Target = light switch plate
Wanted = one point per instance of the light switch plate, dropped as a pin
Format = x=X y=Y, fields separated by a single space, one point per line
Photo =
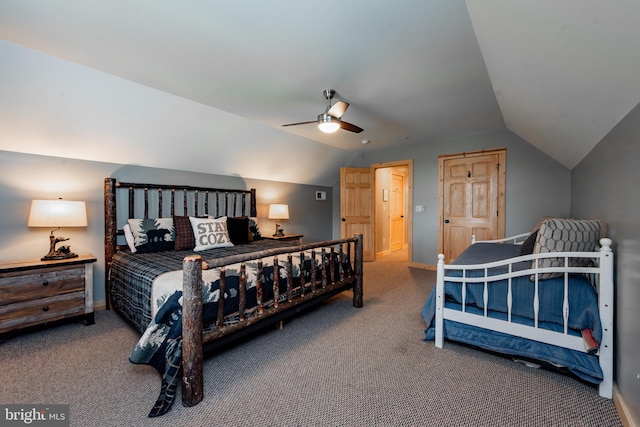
x=321 y=195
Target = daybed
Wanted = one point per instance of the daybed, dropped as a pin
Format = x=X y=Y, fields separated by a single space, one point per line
x=547 y=300
x=201 y=276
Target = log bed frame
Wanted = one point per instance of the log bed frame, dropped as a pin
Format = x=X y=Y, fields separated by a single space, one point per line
x=196 y=340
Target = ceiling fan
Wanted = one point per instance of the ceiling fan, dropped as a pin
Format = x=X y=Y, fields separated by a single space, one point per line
x=329 y=121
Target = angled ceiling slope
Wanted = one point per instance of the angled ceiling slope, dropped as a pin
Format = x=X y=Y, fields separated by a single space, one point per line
x=564 y=72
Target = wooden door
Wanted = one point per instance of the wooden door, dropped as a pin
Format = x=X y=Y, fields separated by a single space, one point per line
x=356 y=207
x=396 y=202
x=472 y=200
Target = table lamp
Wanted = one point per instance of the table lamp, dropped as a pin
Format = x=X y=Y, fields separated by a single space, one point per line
x=57 y=213
x=278 y=211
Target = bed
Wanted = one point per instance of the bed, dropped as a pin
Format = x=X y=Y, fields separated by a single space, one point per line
x=544 y=298
x=187 y=268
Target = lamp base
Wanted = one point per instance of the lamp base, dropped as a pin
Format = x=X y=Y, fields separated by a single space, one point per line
x=279 y=231
x=58 y=255
x=63 y=252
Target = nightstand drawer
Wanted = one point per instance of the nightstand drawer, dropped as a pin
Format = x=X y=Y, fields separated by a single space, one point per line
x=16 y=287
x=37 y=311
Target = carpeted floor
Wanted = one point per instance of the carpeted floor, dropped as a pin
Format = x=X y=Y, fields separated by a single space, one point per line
x=333 y=366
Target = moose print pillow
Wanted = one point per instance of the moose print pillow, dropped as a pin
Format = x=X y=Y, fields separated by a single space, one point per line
x=210 y=233
x=152 y=234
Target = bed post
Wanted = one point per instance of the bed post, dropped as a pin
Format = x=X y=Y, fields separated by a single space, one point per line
x=358 y=258
x=110 y=228
x=192 y=352
x=605 y=303
x=253 y=206
x=440 y=301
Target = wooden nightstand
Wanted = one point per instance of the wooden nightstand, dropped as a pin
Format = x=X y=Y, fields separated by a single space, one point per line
x=35 y=292
x=296 y=238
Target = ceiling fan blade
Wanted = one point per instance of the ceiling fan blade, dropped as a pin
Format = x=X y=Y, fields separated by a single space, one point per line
x=301 y=123
x=338 y=109
x=350 y=127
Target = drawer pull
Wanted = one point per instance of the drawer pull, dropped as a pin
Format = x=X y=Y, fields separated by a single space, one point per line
x=45 y=283
x=45 y=308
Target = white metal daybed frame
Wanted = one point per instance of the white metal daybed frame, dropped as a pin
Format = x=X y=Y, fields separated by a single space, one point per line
x=602 y=273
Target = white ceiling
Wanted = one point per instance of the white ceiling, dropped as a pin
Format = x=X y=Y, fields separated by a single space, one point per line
x=558 y=73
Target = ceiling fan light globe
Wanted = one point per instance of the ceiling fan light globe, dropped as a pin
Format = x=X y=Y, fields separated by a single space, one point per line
x=328 y=127
x=327 y=123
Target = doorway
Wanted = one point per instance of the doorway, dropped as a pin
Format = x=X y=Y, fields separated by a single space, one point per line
x=367 y=198
x=393 y=201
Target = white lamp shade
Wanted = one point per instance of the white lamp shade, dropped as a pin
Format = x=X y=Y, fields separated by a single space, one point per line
x=57 y=213
x=278 y=211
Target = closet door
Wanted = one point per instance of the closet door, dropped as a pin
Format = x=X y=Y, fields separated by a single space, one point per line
x=472 y=200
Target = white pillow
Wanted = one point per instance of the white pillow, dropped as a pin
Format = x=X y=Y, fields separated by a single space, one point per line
x=210 y=233
x=128 y=236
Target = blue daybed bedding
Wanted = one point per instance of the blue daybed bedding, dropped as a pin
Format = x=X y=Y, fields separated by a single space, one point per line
x=583 y=311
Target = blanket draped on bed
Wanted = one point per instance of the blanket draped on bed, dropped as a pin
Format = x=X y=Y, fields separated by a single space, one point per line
x=163 y=351
x=161 y=344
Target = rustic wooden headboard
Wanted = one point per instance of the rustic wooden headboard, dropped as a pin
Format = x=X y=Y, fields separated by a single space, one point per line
x=124 y=200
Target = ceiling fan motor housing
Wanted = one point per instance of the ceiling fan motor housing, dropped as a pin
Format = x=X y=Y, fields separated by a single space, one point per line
x=329 y=93
x=326 y=118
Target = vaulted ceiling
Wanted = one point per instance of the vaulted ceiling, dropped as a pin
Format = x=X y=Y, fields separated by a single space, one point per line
x=558 y=73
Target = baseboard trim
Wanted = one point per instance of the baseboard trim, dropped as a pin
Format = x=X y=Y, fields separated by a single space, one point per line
x=423 y=266
x=623 y=409
x=383 y=253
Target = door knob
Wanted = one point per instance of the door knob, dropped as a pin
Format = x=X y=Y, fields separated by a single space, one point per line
x=446 y=221
x=344 y=219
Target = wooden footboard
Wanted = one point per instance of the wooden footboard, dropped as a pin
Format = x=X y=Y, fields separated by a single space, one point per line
x=334 y=279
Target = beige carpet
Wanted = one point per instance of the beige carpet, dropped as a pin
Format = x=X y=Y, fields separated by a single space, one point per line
x=334 y=366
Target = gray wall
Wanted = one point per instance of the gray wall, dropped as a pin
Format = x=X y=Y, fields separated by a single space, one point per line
x=536 y=184
x=24 y=177
x=606 y=185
